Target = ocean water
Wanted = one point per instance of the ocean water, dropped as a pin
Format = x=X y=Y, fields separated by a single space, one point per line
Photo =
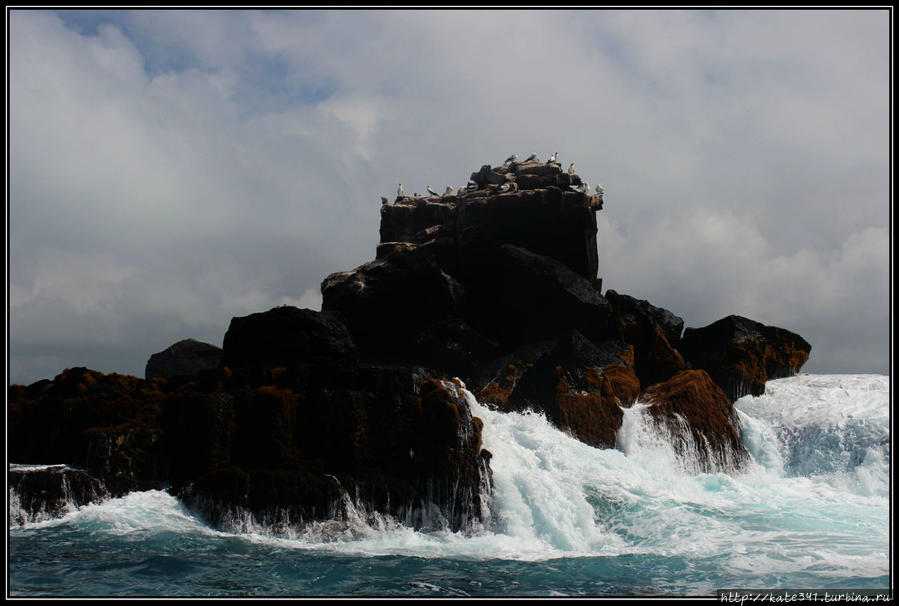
x=811 y=511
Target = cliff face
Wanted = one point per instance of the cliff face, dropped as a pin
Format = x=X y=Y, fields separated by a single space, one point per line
x=306 y=413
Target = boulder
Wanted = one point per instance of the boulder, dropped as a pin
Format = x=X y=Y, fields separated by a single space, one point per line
x=580 y=387
x=108 y=424
x=388 y=302
x=652 y=331
x=520 y=296
x=186 y=357
x=393 y=440
x=287 y=335
x=699 y=421
x=44 y=492
x=548 y=222
x=741 y=354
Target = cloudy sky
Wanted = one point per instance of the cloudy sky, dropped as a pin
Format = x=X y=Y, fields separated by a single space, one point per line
x=169 y=170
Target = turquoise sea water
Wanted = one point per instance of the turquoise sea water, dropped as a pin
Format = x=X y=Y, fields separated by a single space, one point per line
x=812 y=511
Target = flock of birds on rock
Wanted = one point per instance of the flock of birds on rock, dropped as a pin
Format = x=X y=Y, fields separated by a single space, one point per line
x=509 y=185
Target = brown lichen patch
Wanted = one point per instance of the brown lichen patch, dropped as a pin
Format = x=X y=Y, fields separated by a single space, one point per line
x=590 y=418
x=693 y=396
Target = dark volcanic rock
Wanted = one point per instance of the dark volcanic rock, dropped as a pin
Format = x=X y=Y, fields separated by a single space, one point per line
x=546 y=221
x=108 y=423
x=287 y=335
x=580 y=387
x=394 y=441
x=48 y=491
x=652 y=331
x=699 y=420
x=262 y=441
x=635 y=310
x=186 y=357
x=741 y=354
x=388 y=302
x=523 y=296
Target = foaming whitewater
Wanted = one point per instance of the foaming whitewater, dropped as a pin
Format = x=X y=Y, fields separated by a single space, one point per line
x=810 y=510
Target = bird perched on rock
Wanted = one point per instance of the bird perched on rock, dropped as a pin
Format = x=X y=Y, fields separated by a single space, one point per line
x=532 y=158
x=461 y=191
x=504 y=187
x=582 y=188
x=553 y=159
x=510 y=159
x=448 y=192
x=599 y=189
x=399 y=192
x=432 y=192
x=384 y=200
x=472 y=186
x=571 y=168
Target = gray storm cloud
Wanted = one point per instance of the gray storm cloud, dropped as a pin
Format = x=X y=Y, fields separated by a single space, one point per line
x=169 y=170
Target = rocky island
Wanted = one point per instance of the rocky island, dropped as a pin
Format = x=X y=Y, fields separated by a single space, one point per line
x=301 y=413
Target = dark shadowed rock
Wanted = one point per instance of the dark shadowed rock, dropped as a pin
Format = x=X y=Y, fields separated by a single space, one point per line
x=522 y=296
x=43 y=492
x=741 y=354
x=388 y=302
x=83 y=418
x=544 y=221
x=186 y=357
x=652 y=331
x=392 y=441
x=635 y=310
x=287 y=335
x=580 y=387
x=699 y=421
x=547 y=221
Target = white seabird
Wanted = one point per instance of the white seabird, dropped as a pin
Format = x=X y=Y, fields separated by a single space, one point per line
x=571 y=168
x=599 y=189
x=432 y=192
x=384 y=200
x=510 y=159
x=532 y=158
x=399 y=192
x=471 y=186
x=504 y=187
x=448 y=192
x=553 y=158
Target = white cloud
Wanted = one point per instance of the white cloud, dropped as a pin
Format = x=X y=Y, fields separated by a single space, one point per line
x=217 y=163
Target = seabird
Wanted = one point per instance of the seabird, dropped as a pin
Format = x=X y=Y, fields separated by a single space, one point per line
x=384 y=200
x=432 y=192
x=553 y=158
x=399 y=192
x=504 y=187
x=571 y=168
x=461 y=191
x=471 y=186
x=510 y=159
x=532 y=158
x=448 y=192
x=599 y=189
